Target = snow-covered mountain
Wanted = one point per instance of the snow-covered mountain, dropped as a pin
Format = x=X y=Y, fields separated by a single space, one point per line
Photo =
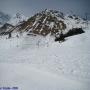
x=17 y=19
x=51 y=22
x=14 y=21
x=6 y=28
x=74 y=21
x=46 y=22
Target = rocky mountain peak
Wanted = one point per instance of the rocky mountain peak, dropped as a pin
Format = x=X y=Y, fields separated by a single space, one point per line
x=45 y=22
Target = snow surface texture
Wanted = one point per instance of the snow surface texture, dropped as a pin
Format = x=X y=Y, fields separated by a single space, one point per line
x=39 y=63
x=25 y=77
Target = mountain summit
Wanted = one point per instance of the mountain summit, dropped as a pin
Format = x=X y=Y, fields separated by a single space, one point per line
x=44 y=22
x=51 y=21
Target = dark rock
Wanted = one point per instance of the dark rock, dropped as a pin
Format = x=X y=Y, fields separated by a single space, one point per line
x=74 y=31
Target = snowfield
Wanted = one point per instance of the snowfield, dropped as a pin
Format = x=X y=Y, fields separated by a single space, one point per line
x=35 y=63
x=25 y=77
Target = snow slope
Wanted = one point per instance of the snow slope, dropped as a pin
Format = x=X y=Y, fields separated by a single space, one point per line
x=35 y=63
x=17 y=19
x=27 y=78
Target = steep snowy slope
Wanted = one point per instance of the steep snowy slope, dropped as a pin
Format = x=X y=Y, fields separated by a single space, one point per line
x=17 y=19
x=73 y=21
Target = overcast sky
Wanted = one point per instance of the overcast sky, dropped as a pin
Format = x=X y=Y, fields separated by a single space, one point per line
x=29 y=7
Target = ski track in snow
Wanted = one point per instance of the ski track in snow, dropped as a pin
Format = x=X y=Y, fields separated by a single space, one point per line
x=70 y=58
